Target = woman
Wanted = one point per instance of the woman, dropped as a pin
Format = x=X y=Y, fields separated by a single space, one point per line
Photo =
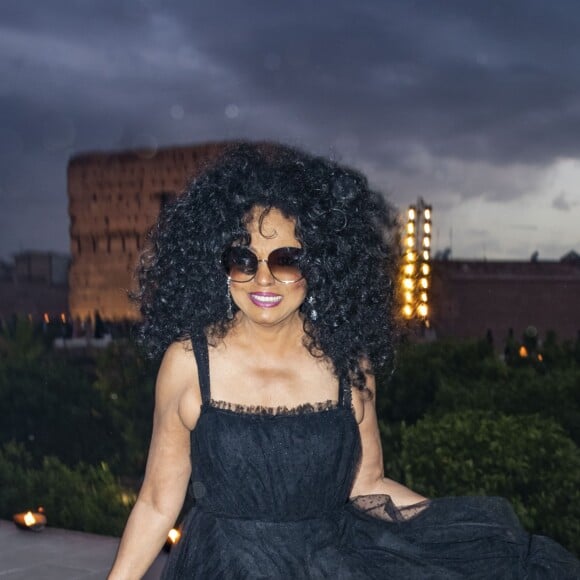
x=276 y=267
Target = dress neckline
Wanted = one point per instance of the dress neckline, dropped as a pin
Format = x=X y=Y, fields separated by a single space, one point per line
x=280 y=411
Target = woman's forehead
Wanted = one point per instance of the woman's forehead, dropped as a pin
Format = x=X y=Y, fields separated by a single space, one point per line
x=270 y=224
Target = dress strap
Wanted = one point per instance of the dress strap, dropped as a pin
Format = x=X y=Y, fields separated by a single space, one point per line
x=344 y=394
x=200 y=350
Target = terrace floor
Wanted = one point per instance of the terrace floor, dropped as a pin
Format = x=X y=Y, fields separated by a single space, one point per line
x=56 y=554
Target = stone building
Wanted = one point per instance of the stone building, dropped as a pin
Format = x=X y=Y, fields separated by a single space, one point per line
x=470 y=298
x=114 y=198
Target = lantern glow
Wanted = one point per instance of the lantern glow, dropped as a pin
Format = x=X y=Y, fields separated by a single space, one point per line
x=33 y=521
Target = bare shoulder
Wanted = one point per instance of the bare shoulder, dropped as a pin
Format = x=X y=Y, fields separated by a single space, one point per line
x=177 y=384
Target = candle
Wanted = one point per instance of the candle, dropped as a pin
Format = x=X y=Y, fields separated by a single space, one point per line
x=34 y=521
x=172 y=538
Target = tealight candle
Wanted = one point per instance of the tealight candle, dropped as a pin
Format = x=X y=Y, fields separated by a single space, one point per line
x=34 y=521
x=172 y=538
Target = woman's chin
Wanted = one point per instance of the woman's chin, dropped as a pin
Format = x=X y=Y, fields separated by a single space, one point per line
x=272 y=316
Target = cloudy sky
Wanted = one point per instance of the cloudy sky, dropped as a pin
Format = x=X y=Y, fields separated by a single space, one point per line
x=473 y=105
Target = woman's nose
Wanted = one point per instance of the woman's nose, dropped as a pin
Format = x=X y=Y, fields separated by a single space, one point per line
x=263 y=275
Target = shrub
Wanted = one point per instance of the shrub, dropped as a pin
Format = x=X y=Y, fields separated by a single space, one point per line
x=52 y=408
x=83 y=498
x=409 y=391
x=527 y=459
x=126 y=381
x=523 y=391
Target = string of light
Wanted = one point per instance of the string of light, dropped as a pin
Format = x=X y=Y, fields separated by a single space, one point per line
x=416 y=262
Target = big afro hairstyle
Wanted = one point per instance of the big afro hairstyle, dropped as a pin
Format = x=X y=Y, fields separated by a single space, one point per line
x=345 y=229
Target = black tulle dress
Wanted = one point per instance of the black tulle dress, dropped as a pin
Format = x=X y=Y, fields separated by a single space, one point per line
x=272 y=501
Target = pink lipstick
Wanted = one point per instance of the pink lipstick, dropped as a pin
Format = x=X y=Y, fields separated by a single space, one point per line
x=265 y=299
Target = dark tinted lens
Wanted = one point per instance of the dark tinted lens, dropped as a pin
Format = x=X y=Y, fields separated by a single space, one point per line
x=285 y=264
x=240 y=264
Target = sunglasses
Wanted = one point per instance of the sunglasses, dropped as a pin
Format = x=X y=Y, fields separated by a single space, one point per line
x=241 y=264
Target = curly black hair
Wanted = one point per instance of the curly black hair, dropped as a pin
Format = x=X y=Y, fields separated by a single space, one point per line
x=344 y=228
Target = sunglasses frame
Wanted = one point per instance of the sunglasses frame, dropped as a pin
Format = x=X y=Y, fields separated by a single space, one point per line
x=224 y=260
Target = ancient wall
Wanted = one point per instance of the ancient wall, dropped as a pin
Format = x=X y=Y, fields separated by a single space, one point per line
x=114 y=198
x=470 y=297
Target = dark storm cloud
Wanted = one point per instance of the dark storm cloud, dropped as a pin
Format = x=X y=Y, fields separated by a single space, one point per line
x=461 y=99
x=497 y=84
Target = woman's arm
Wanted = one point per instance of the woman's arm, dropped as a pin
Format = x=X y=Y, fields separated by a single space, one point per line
x=177 y=403
x=370 y=478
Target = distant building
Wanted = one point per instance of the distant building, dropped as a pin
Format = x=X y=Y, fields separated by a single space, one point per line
x=114 y=199
x=47 y=268
x=468 y=298
x=6 y=271
x=35 y=284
